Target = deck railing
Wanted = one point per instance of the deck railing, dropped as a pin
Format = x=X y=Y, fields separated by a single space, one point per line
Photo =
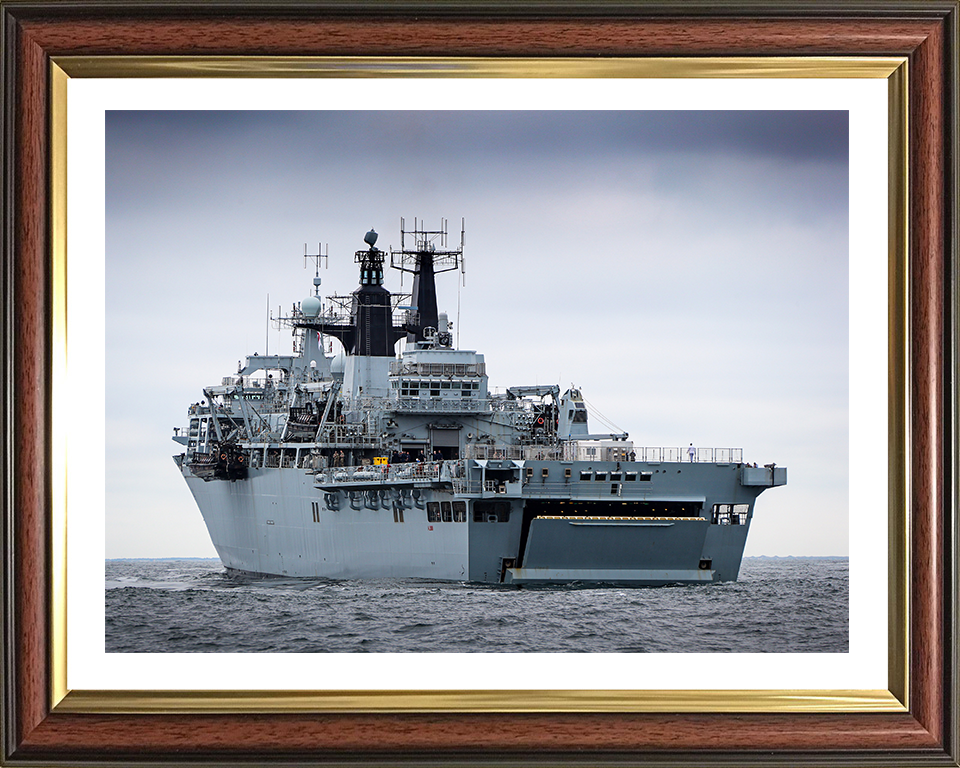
x=518 y=452
x=439 y=404
x=426 y=471
x=700 y=455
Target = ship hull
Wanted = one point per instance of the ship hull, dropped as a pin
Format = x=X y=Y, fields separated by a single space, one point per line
x=275 y=523
x=527 y=530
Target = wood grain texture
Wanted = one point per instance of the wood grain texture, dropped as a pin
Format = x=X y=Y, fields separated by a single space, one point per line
x=30 y=393
x=472 y=37
x=927 y=407
x=917 y=737
x=296 y=736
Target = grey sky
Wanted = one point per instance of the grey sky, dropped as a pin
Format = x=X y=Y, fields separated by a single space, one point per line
x=688 y=270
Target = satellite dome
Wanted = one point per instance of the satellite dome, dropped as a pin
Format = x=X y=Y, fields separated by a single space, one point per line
x=370 y=238
x=310 y=306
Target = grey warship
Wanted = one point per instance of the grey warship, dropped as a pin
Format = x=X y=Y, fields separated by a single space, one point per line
x=385 y=463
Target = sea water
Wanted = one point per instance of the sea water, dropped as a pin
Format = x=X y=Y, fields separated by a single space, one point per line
x=779 y=605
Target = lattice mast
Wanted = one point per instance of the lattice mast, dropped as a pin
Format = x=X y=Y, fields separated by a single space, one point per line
x=425 y=254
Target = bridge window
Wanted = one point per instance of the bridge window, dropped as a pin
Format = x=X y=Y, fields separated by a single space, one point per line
x=585 y=476
x=433 y=512
x=601 y=477
x=446 y=512
x=459 y=511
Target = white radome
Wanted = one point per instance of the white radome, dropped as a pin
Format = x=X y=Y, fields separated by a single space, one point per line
x=310 y=306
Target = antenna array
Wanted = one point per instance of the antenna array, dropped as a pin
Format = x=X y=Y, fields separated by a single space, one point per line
x=433 y=241
x=321 y=255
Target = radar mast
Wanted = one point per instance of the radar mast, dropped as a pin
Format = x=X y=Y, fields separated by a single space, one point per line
x=425 y=257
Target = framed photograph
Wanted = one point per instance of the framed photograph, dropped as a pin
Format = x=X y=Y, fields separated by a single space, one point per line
x=652 y=333
x=906 y=52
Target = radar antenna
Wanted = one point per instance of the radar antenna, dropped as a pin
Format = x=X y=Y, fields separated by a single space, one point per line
x=425 y=257
x=320 y=255
x=426 y=241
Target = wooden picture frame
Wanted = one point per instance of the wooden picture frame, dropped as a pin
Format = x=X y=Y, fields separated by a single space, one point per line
x=41 y=726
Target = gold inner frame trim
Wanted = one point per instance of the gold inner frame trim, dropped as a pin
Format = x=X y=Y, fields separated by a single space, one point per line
x=892 y=69
x=898 y=415
x=819 y=67
x=58 y=372
x=543 y=701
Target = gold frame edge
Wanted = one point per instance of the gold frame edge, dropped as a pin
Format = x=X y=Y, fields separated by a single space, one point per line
x=531 y=701
x=102 y=701
x=58 y=371
x=898 y=576
x=442 y=67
